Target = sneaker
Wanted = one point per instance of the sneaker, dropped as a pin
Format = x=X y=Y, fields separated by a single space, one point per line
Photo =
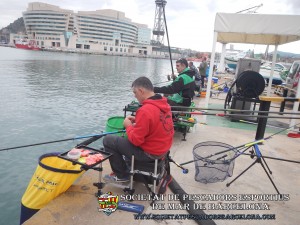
x=112 y=178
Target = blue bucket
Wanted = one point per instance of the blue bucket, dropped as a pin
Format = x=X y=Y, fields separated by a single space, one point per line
x=215 y=80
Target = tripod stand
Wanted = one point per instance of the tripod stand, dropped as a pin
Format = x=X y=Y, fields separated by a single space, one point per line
x=260 y=159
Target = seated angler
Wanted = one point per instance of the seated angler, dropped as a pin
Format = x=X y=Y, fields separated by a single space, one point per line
x=183 y=86
x=150 y=132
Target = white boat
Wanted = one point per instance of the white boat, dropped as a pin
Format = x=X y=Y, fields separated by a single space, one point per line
x=232 y=59
x=265 y=71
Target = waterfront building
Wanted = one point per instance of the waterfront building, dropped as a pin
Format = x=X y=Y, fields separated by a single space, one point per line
x=105 y=31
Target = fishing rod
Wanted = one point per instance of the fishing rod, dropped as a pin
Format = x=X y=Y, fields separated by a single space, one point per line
x=233 y=115
x=232 y=110
x=247 y=145
x=168 y=37
x=245 y=121
x=161 y=82
x=67 y=139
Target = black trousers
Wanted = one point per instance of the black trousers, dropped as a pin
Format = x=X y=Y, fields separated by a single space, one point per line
x=120 y=147
x=202 y=81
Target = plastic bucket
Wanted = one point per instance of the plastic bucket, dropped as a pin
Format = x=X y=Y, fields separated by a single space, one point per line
x=215 y=80
x=115 y=123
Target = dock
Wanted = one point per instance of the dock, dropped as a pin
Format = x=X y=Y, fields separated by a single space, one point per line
x=252 y=194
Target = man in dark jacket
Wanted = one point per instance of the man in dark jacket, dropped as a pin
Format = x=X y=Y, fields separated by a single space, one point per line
x=202 y=70
x=183 y=86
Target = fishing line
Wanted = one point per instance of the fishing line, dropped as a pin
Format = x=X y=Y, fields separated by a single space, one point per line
x=67 y=139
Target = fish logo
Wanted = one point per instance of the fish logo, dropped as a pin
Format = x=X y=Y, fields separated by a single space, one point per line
x=108 y=203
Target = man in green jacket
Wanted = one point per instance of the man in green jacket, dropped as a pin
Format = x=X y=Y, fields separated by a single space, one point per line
x=202 y=70
x=183 y=86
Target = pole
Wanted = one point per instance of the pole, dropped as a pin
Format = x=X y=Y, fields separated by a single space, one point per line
x=232 y=115
x=168 y=39
x=234 y=110
x=67 y=139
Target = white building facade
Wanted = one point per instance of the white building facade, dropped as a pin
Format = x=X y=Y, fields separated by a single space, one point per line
x=105 y=31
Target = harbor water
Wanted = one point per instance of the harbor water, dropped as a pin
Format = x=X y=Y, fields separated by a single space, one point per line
x=47 y=96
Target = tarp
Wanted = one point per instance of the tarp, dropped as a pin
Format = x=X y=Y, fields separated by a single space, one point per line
x=253 y=29
x=257 y=28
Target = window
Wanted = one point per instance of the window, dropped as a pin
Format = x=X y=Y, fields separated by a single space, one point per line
x=78 y=45
x=105 y=48
x=86 y=46
x=121 y=50
x=116 y=49
x=111 y=49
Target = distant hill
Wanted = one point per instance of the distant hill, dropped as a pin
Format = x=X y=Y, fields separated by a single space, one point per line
x=287 y=54
x=15 y=27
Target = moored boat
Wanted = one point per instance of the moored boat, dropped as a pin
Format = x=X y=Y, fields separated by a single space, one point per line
x=27 y=44
x=231 y=60
x=265 y=71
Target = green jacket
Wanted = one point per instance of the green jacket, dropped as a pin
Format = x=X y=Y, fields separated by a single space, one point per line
x=182 y=88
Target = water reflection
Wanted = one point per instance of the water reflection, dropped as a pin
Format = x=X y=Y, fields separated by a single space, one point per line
x=48 y=96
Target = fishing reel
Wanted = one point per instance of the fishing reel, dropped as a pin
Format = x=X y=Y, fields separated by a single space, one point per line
x=248 y=85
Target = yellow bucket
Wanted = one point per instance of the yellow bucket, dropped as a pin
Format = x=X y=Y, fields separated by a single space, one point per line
x=52 y=177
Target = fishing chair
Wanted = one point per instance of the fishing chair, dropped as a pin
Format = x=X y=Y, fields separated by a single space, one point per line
x=155 y=174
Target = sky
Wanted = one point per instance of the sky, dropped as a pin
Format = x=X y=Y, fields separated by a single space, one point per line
x=190 y=23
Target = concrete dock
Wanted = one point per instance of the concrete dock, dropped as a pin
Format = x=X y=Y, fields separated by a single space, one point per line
x=253 y=192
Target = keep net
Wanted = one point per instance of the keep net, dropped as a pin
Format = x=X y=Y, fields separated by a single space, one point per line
x=212 y=162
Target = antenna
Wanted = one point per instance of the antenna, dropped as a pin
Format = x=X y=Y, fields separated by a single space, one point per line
x=251 y=10
x=159 y=26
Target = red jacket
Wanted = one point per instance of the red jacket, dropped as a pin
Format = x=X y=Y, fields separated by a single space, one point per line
x=153 y=130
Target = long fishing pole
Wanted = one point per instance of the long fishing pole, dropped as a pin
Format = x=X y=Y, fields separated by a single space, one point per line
x=67 y=139
x=161 y=82
x=233 y=115
x=232 y=110
x=249 y=122
x=235 y=149
x=168 y=37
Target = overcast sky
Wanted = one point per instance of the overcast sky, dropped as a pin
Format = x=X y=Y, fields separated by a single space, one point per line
x=190 y=22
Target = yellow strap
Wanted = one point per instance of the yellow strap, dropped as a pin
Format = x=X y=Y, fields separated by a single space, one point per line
x=271 y=99
x=254 y=142
x=277 y=99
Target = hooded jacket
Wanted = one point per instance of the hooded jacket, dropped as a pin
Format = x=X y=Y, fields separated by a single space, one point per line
x=182 y=88
x=153 y=129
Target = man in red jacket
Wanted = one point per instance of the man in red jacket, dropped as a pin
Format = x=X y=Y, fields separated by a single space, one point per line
x=150 y=132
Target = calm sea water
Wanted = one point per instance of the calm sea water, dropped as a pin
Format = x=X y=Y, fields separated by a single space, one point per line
x=47 y=96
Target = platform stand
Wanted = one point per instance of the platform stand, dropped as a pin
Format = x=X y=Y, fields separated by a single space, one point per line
x=100 y=184
x=259 y=159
